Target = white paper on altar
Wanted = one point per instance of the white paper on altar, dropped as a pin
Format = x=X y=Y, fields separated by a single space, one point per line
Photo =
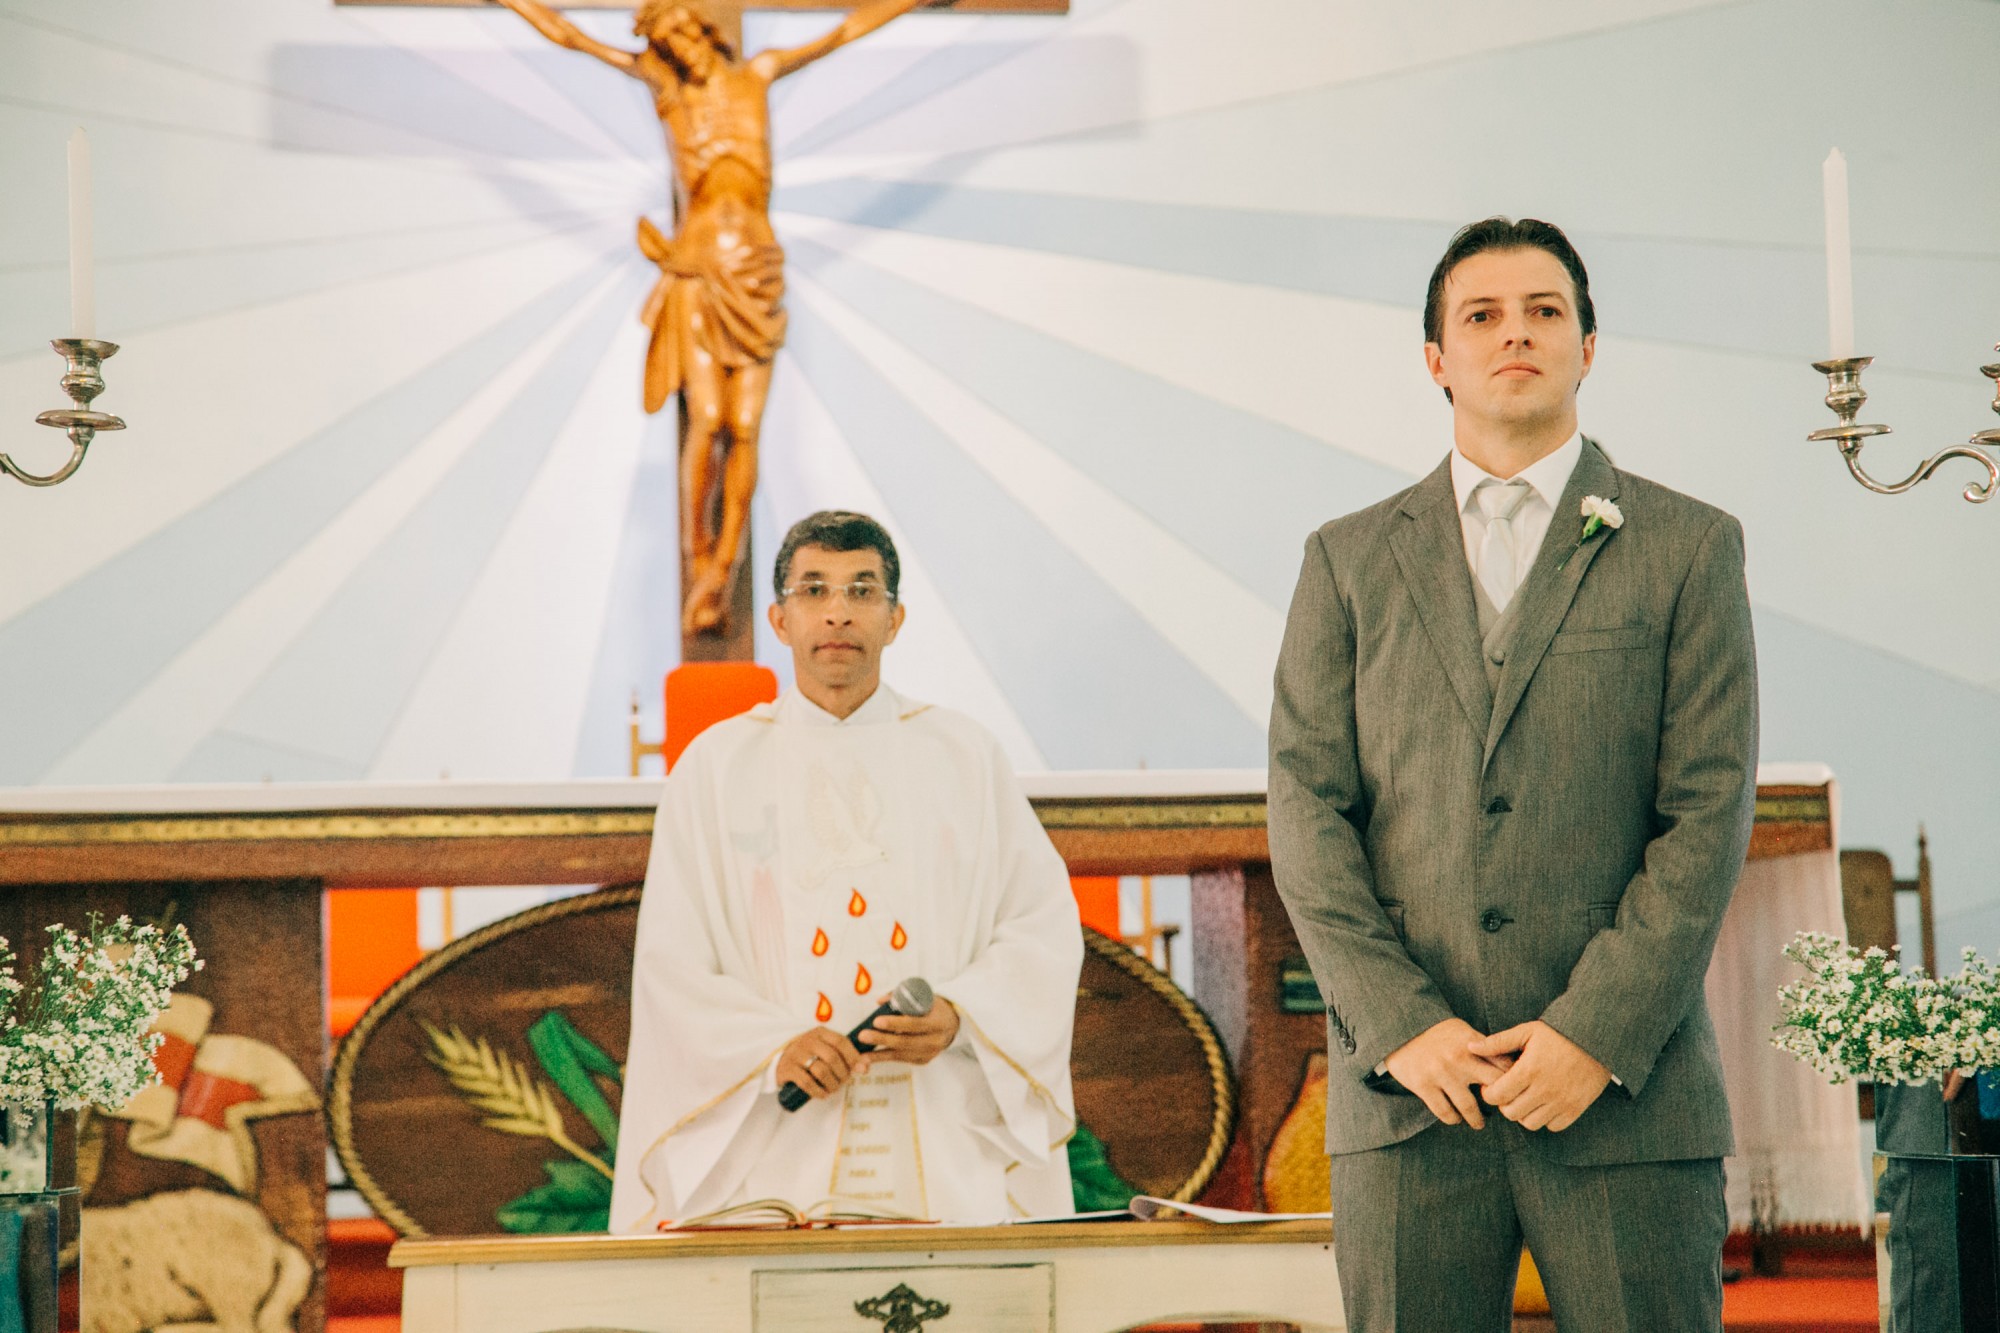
x=1798 y=1138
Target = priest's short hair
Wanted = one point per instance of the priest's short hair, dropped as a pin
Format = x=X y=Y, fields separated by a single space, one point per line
x=838 y=530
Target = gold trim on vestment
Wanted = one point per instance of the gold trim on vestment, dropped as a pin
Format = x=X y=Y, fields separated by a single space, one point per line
x=917 y=1145
x=713 y=1102
x=696 y=1114
x=1033 y=1083
x=839 y=1133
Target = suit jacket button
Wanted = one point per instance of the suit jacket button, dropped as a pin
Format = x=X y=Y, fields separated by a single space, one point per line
x=1490 y=921
x=1498 y=806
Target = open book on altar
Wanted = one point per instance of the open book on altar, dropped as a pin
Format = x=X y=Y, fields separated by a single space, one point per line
x=1147 y=1208
x=781 y=1215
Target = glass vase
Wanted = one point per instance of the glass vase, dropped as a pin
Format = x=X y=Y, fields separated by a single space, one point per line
x=37 y=1183
x=1939 y=1185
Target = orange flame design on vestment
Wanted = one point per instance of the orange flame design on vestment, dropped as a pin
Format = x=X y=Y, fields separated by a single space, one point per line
x=898 y=937
x=820 y=944
x=857 y=905
x=825 y=1011
x=862 y=981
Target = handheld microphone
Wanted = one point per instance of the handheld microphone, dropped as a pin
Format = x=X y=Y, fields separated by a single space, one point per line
x=912 y=999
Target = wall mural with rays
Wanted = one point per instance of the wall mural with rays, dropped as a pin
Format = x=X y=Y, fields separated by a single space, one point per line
x=1101 y=313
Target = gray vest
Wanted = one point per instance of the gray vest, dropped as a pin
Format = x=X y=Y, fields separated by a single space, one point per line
x=1496 y=629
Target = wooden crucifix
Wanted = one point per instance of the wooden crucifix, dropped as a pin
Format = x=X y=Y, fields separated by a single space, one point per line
x=717 y=312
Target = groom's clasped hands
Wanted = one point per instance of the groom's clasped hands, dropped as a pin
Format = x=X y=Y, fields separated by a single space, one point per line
x=1530 y=1073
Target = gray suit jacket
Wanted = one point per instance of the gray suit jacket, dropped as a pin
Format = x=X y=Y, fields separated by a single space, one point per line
x=1561 y=847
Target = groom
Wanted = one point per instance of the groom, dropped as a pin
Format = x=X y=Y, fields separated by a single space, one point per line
x=1513 y=758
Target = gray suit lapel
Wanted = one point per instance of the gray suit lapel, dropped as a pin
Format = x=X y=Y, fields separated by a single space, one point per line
x=1429 y=546
x=1546 y=595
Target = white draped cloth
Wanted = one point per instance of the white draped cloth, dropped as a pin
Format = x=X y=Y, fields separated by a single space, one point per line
x=1798 y=1138
x=802 y=867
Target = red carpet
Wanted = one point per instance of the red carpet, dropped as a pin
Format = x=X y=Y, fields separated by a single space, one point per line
x=1801 y=1305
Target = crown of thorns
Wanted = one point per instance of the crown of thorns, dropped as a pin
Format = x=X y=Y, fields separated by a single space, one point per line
x=652 y=11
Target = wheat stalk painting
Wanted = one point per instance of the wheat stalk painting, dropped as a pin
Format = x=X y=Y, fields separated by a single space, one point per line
x=512 y=1100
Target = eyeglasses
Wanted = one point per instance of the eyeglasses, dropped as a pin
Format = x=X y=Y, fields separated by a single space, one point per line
x=859 y=595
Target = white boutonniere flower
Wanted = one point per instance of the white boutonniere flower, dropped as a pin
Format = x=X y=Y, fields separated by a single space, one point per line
x=1598 y=514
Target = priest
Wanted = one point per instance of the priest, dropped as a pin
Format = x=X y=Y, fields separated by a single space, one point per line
x=807 y=857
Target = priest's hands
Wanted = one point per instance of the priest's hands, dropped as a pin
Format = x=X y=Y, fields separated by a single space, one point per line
x=1553 y=1080
x=914 y=1041
x=820 y=1061
x=1440 y=1067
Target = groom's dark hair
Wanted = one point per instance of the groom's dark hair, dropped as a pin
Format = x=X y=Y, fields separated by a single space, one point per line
x=838 y=530
x=1499 y=233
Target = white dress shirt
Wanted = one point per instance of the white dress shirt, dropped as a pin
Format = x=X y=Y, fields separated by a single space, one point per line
x=1546 y=479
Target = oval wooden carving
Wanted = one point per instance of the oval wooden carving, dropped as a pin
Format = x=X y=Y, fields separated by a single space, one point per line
x=467 y=1037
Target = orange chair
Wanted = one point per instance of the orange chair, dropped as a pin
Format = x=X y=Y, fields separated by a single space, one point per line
x=699 y=695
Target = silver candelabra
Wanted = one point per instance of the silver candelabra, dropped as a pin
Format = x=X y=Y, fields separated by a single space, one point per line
x=1845 y=396
x=82 y=381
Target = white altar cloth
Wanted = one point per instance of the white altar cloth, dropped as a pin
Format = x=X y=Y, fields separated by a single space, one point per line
x=1798 y=1138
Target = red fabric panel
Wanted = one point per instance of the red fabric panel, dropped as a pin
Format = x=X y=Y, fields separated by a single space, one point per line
x=701 y=694
x=206 y=1096
x=174 y=1058
x=371 y=939
x=1097 y=902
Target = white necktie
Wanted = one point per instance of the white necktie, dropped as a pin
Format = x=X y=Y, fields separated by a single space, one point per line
x=1498 y=550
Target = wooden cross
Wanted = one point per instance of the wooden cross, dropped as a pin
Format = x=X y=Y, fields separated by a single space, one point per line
x=716 y=597
x=728 y=14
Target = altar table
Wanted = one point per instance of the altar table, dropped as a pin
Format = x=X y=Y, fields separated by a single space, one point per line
x=1092 y=1277
x=245 y=867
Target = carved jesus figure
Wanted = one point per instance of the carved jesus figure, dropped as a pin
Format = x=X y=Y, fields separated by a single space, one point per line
x=717 y=314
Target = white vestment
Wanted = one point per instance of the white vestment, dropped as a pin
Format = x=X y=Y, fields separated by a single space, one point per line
x=802 y=866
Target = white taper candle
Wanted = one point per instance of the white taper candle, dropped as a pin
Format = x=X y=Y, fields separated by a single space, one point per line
x=82 y=292
x=1839 y=259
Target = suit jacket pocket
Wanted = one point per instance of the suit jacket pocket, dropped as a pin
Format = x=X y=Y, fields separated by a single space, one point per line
x=1603 y=916
x=1623 y=637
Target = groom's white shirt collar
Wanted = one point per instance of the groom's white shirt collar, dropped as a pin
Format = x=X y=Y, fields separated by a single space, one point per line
x=1547 y=476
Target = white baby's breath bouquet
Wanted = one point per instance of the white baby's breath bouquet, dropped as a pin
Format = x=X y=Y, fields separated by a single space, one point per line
x=81 y=1033
x=1860 y=1014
